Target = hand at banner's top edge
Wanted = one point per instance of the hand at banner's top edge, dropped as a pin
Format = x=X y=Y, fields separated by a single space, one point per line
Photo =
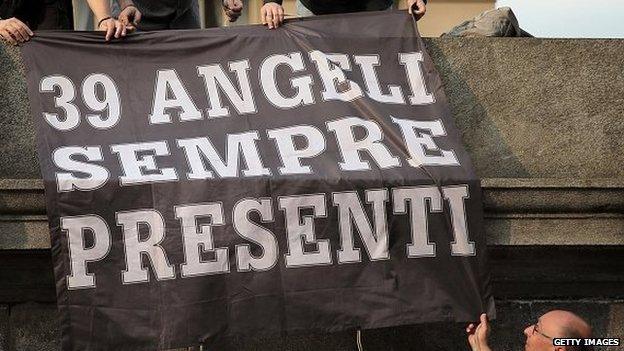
x=233 y=9
x=478 y=335
x=130 y=15
x=417 y=8
x=272 y=14
x=14 y=31
x=114 y=28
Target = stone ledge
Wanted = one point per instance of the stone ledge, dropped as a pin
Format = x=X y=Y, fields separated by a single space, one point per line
x=517 y=212
x=24 y=232
x=31 y=232
x=527 y=195
x=557 y=229
x=550 y=183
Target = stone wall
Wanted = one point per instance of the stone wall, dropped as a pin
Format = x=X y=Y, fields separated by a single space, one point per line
x=543 y=122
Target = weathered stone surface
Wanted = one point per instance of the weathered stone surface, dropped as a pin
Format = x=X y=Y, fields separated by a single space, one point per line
x=615 y=323
x=22 y=196
x=540 y=108
x=553 y=195
x=31 y=232
x=26 y=197
x=17 y=144
x=34 y=327
x=24 y=232
x=555 y=229
x=4 y=328
x=534 y=211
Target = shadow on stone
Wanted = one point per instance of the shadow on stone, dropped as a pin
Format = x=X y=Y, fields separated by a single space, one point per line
x=482 y=139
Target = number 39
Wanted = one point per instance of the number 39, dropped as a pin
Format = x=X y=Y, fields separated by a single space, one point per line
x=67 y=93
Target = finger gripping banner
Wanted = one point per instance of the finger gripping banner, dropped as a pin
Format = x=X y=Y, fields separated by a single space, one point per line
x=202 y=185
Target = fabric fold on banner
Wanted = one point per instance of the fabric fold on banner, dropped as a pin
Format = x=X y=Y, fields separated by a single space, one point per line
x=243 y=182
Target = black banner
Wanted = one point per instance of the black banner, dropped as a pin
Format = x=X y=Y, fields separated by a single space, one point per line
x=245 y=181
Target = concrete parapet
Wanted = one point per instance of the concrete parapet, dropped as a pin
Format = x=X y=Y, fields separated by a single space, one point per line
x=517 y=212
x=536 y=108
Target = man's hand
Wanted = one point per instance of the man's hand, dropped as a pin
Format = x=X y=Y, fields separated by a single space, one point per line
x=477 y=336
x=272 y=14
x=130 y=16
x=14 y=31
x=113 y=27
x=417 y=8
x=233 y=9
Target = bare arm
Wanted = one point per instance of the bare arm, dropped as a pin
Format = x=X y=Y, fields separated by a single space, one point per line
x=101 y=9
x=112 y=27
x=130 y=14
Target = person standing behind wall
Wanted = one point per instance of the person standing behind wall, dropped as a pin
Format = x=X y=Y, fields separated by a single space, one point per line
x=170 y=14
x=105 y=22
x=272 y=12
x=18 y=18
x=148 y=15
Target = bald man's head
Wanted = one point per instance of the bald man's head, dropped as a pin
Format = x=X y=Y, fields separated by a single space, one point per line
x=570 y=325
x=555 y=324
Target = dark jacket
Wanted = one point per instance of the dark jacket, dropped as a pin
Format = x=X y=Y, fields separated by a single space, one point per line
x=324 y=7
x=30 y=12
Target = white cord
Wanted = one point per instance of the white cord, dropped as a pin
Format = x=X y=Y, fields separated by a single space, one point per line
x=358 y=339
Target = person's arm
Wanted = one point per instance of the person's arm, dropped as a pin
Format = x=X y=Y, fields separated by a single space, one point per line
x=478 y=335
x=124 y=3
x=105 y=22
x=417 y=8
x=272 y=13
x=14 y=31
x=233 y=9
x=129 y=15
